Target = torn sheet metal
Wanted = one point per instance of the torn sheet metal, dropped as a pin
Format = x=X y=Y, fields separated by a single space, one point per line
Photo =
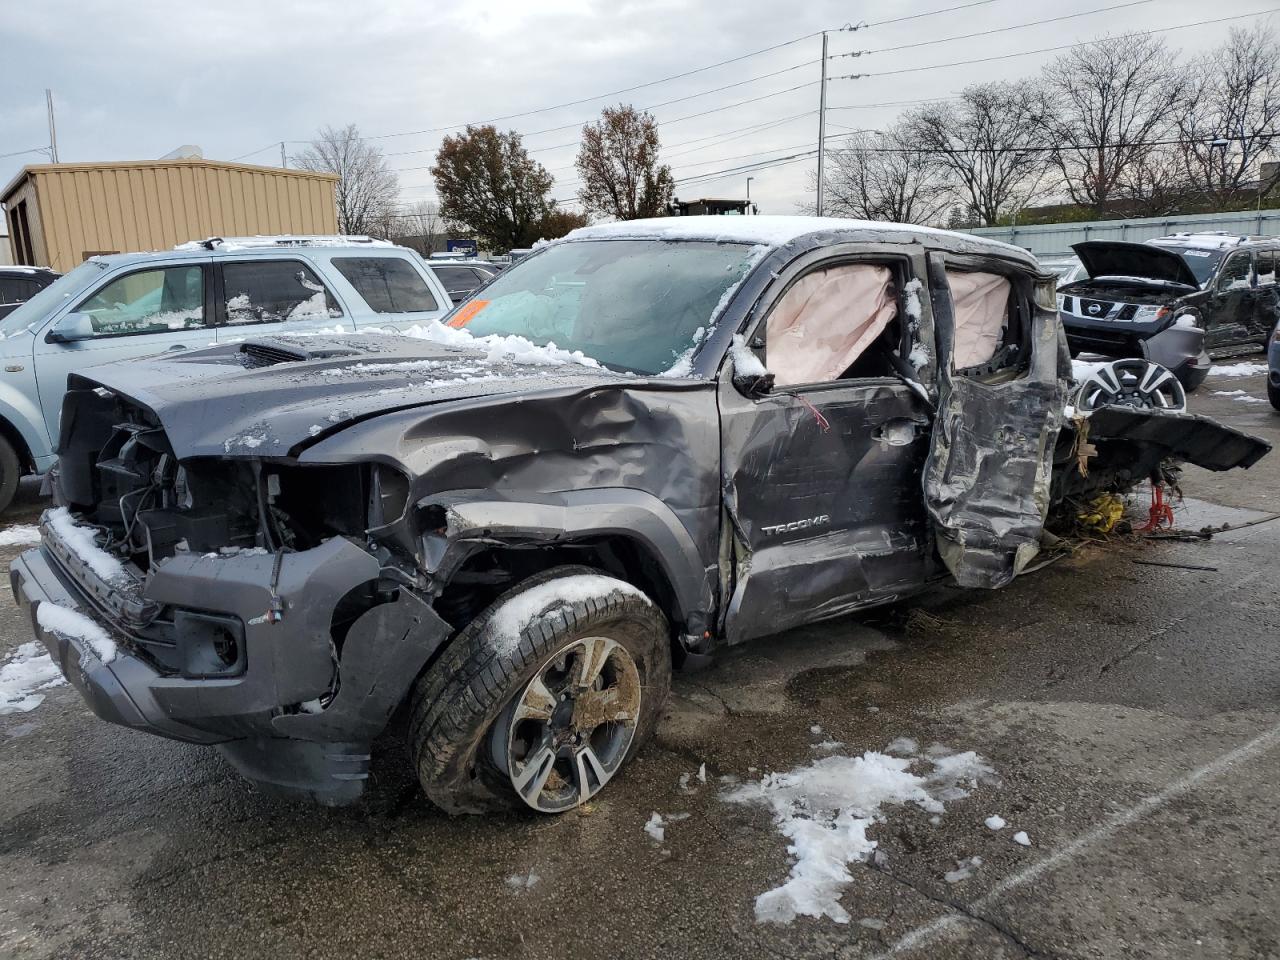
x=987 y=479
x=1126 y=446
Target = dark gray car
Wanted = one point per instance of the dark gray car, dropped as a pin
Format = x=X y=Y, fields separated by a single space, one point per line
x=272 y=546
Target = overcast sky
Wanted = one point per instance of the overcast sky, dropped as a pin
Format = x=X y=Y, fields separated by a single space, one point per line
x=133 y=79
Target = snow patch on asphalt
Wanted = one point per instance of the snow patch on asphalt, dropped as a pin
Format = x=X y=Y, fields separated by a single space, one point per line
x=963 y=871
x=20 y=535
x=1021 y=838
x=656 y=827
x=825 y=808
x=29 y=670
x=1240 y=395
x=521 y=882
x=1238 y=370
x=995 y=822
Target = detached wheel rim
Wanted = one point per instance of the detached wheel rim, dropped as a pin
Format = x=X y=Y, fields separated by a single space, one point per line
x=569 y=730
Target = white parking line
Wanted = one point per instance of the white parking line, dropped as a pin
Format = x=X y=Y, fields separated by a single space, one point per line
x=1259 y=744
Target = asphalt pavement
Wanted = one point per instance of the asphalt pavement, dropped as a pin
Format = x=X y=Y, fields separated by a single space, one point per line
x=1130 y=713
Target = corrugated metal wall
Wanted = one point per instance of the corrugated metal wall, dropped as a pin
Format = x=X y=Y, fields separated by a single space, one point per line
x=1055 y=239
x=77 y=210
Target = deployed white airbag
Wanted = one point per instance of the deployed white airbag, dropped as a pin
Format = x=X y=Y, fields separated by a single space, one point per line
x=824 y=322
x=981 y=302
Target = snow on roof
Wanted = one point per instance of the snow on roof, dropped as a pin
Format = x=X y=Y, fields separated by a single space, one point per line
x=770 y=231
x=1202 y=241
x=269 y=242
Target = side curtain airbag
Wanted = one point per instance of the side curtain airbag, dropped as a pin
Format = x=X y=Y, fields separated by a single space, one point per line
x=981 y=304
x=826 y=319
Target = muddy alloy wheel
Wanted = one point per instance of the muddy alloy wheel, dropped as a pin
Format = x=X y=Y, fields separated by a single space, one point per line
x=570 y=729
x=539 y=702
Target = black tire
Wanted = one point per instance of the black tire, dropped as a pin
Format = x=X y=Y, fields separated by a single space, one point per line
x=1273 y=394
x=456 y=702
x=10 y=472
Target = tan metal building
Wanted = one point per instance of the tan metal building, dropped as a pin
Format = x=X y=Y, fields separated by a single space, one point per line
x=59 y=214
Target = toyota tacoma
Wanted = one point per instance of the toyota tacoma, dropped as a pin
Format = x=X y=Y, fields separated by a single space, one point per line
x=636 y=445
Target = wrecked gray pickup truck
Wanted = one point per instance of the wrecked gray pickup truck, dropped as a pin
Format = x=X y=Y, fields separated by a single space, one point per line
x=642 y=442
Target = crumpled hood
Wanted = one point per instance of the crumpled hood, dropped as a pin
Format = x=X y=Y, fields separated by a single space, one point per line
x=273 y=396
x=1116 y=258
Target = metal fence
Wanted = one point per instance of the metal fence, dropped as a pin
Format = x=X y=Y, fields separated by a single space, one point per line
x=1055 y=239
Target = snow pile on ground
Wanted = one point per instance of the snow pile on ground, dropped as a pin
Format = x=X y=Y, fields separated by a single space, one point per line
x=521 y=882
x=82 y=541
x=71 y=623
x=20 y=535
x=656 y=827
x=963 y=871
x=1241 y=395
x=824 y=810
x=30 y=669
x=1021 y=838
x=996 y=822
x=550 y=597
x=500 y=349
x=1238 y=370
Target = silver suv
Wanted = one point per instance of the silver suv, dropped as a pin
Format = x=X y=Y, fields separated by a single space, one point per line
x=205 y=292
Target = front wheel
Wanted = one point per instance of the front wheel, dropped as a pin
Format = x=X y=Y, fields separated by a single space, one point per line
x=539 y=702
x=1273 y=394
x=10 y=471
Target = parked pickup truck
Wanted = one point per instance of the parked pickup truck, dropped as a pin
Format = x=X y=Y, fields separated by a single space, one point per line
x=129 y=305
x=644 y=442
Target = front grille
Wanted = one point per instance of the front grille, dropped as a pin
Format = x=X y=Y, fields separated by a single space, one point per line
x=1097 y=309
x=1068 y=303
x=1127 y=312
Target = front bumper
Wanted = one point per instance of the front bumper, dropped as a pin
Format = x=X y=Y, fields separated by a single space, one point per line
x=302 y=711
x=1180 y=349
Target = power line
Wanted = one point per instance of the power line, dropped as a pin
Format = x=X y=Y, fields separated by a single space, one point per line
x=19 y=153
x=987 y=33
x=269 y=146
x=1067 y=46
x=928 y=13
x=604 y=96
x=892 y=103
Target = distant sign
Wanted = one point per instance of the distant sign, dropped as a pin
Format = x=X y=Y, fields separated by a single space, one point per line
x=468 y=247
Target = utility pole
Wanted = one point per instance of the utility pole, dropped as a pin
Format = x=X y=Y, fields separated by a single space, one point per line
x=53 y=130
x=284 y=161
x=822 y=119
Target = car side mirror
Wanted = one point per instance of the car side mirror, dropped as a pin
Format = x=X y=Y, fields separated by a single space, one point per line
x=72 y=328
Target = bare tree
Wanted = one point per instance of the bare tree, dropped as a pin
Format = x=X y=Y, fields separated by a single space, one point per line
x=419 y=227
x=1155 y=184
x=618 y=164
x=991 y=141
x=1107 y=105
x=367 y=187
x=1230 y=119
x=884 y=176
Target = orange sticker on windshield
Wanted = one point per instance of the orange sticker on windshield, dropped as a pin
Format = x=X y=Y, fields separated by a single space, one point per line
x=467 y=313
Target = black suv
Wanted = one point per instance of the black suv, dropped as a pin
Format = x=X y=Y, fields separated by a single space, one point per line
x=746 y=424
x=1177 y=301
x=20 y=284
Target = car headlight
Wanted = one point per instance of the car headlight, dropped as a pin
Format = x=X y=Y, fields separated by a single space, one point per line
x=1148 y=313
